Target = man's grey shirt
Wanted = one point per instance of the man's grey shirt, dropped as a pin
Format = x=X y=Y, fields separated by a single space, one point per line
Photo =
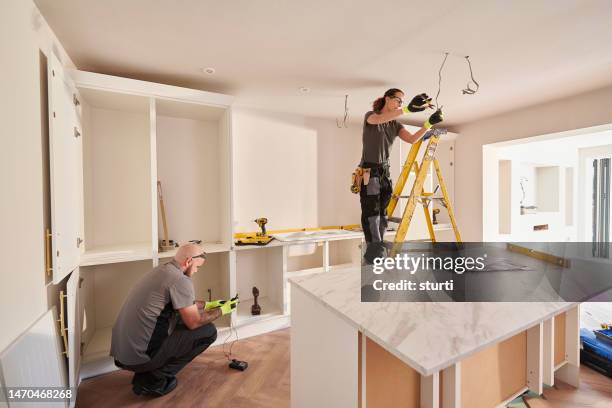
x=149 y=315
x=378 y=139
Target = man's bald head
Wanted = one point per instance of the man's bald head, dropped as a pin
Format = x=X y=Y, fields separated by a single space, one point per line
x=187 y=251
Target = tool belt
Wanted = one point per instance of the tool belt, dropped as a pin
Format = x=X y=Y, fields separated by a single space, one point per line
x=365 y=171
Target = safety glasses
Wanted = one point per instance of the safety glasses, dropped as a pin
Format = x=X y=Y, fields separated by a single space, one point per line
x=202 y=255
x=398 y=99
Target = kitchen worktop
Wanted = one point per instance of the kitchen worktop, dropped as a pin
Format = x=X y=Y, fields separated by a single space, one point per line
x=427 y=336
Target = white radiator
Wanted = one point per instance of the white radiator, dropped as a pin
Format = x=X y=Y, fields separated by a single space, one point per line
x=35 y=359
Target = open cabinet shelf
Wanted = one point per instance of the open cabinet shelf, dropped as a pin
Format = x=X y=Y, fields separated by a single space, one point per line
x=117 y=196
x=117 y=253
x=261 y=268
x=193 y=168
x=103 y=290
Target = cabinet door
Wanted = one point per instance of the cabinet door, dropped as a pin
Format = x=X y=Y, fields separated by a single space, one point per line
x=75 y=327
x=65 y=170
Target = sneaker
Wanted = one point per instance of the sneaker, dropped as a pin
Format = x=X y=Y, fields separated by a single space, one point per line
x=156 y=392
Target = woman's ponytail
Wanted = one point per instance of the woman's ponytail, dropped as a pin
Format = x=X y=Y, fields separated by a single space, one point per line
x=378 y=104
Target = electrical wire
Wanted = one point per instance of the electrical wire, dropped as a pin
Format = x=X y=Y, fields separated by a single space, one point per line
x=468 y=90
x=440 y=79
x=345 y=114
x=228 y=355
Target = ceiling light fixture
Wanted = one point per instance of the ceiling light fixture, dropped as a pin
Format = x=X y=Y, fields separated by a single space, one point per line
x=209 y=70
x=304 y=89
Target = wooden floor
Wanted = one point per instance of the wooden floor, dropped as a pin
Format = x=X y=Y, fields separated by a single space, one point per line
x=208 y=382
x=595 y=392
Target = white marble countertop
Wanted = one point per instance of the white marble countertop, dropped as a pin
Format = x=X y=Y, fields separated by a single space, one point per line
x=427 y=336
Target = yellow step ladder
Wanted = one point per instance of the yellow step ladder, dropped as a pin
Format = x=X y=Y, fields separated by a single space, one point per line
x=417 y=193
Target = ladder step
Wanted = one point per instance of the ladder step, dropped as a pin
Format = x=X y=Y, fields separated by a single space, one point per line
x=396 y=220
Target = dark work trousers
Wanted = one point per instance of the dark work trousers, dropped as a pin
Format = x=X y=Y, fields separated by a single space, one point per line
x=374 y=200
x=177 y=350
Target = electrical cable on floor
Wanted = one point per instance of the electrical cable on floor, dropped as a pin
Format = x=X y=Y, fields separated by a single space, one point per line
x=228 y=355
x=440 y=79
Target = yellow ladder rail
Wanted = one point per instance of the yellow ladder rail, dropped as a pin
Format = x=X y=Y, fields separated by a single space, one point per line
x=417 y=192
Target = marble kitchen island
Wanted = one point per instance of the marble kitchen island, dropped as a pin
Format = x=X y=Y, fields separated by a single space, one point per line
x=345 y=353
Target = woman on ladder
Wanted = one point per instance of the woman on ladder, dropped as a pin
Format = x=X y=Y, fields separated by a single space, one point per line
x=380 y=128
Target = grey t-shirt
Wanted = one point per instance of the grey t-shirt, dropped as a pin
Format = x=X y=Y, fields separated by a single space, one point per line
x=149 y=314
x=377 y=140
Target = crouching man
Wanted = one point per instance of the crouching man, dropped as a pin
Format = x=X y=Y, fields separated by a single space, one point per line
x=161 y=327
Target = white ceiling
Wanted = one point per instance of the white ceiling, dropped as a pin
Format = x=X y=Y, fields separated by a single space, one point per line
x=523 y=52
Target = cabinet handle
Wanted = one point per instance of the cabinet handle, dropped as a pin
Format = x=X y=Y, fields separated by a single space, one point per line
x=75 y=100
x=79 y=242
x=76 y=132
x=48 y=267
x=61 y=320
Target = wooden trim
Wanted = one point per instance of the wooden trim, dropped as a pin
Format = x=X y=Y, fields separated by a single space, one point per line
x=430 y=391
x=450 y=392
x=115 y=84
x=570 y=372
x=559 y=333
x=326 y=256
x=360 y=370
x=535 y=358
x=548 y=370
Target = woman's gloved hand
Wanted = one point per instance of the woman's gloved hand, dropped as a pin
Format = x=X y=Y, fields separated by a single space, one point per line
x=435 y=118
x=418 y=104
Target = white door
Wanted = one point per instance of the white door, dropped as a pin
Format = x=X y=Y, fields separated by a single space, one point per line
x=74 y=325
x=65 y=170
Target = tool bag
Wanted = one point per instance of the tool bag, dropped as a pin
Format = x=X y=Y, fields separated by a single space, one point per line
x=359 y=175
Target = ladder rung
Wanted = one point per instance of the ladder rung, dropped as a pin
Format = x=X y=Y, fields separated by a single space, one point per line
x=395 y=219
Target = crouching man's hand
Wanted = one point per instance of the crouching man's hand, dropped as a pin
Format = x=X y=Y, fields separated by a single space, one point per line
x=229 y=306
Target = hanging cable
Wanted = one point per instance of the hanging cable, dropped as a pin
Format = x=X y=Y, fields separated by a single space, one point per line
x=468 y=90
x=440 y=79
x=345 y=114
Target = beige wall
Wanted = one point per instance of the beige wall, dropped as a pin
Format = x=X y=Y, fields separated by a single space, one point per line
x=293 y=170
x=580 y=111
x=23 y=295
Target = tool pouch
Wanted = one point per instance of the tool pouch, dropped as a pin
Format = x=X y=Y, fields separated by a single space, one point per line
x=359 y=175
x=356 y=179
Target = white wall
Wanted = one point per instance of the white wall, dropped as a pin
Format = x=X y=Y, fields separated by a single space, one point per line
x=580 y=111
x=23 y=296
x=339 y=153
x=293 y=170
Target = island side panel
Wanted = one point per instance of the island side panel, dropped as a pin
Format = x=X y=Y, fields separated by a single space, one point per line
x=324 y=356
x=389 y=381
x=502 y=367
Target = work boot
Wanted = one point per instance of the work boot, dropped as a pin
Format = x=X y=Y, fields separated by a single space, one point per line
x=142 y=389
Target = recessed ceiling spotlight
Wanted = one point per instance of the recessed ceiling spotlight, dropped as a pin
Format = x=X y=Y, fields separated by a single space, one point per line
x=209 y=70
x=304 y=89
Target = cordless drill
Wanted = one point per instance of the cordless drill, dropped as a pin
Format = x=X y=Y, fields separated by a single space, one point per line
x=262 y=224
